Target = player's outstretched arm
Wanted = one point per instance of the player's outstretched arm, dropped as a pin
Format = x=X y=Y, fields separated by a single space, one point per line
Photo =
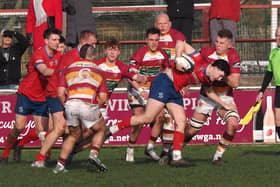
x=183 y=48
x=213 y=96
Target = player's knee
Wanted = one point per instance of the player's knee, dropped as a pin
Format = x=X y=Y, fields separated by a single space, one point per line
x=149 y=119
x=231 y=116
x=196 y=124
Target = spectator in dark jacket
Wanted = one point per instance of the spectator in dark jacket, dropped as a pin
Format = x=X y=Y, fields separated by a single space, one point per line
x=11 y=52
x=181 y=13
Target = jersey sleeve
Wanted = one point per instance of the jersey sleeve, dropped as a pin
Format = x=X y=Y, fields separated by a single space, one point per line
x=103 y=85
x=234 y=59
x=61 y=79
x=125 y=69
x=38 y=58
x=179 y=36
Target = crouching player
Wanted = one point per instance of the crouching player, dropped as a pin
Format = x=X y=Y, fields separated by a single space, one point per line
x=165 y=92
x=86 y=87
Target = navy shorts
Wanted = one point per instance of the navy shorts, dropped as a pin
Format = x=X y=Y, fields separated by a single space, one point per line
x=54 y=105
x=26 y=106
x=163 y=90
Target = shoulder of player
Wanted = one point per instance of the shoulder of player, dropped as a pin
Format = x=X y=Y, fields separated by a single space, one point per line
x=100 y=61
x=177 y=34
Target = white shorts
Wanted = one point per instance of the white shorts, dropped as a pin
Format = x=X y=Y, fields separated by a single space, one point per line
x=206 y=105
x=79 y=112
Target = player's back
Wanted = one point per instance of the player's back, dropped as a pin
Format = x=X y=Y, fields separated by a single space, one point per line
x=84 y=80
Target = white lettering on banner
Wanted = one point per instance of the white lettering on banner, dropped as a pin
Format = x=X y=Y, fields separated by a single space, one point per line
x=7 y=124
x=6 y=107
x=30 y=125
x=220 y=121
x=2 y=139
x=189 y=102
x=111 y=122
x=123 y=138
x=206 y=137
x=119 y=105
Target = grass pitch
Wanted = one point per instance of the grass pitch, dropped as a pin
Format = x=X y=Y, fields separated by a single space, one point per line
x=247 y=165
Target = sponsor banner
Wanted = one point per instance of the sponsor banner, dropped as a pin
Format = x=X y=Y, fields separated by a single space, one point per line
x=118 y=109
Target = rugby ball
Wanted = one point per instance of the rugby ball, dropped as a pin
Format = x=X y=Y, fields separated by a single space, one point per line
x=184 y=63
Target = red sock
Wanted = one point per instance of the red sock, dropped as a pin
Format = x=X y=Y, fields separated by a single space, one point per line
x=40 y=157
x=178 y=140
x=11 y=141
x=62 y=161
x=124 y=124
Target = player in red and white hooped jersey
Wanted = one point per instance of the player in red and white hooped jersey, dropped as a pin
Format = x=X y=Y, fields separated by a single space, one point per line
x=224 y=103
x=165 y=92
x=31 y=97
x=148 y=60
x=86 y=88
x=86 y=37
x=168 y=36
x=114 y=69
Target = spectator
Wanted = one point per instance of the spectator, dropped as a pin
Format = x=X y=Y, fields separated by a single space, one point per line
x=79 y=18
x=224 y=14
x=273 y=72
x=42 y=15
x=180 y=13
x=10 y=58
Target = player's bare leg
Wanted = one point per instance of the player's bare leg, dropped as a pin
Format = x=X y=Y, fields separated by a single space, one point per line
x=155 y=133
x=67 y=148
x=178 y=114
x=153 y=108
x=194 y=125
x=97 y=141
x=59 y=129
x=134 y=133
x=20 y=122
x=231 y=127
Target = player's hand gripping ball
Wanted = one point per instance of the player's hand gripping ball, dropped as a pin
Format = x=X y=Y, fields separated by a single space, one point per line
x=184 y=63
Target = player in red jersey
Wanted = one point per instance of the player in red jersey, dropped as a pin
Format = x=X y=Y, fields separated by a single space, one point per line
x=31 y=97
x=168 y=39
x=32 y=134
x=86 y=37
x=149 y=60
x=224 y=103
x=86 y=89
x=165 y=92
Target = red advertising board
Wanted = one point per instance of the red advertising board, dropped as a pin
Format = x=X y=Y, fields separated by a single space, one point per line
x=118 y=109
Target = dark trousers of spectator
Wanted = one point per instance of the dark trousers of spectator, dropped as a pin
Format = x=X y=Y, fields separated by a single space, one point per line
x=184 y=25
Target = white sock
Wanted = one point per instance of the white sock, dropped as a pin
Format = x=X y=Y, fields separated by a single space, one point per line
x=42 y=136
x=218 y=155
x=114 y=129
x=150 y=146
x=130 y=150
x=177 y=155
